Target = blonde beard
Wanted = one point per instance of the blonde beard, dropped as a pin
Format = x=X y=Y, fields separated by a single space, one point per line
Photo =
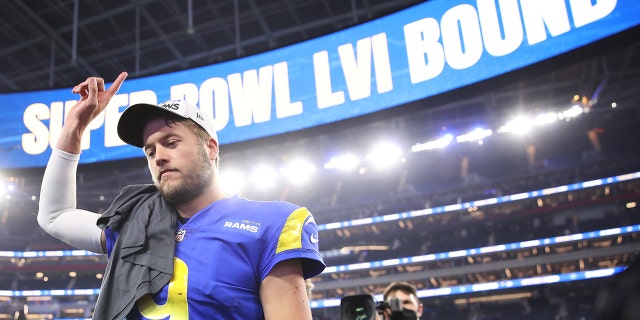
x=194 y=181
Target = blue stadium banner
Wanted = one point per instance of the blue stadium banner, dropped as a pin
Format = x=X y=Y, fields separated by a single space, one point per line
x=425 y=50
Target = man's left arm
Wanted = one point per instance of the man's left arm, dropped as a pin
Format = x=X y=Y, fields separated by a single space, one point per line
x=283 y=293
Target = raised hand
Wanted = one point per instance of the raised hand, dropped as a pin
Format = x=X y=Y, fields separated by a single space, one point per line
x=94 y=98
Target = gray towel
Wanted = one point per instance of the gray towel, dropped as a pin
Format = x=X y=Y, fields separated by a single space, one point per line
x=141 y=261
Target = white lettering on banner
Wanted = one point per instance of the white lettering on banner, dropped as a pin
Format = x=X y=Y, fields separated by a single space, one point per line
x=461 y=38
x=112 y=114
x=42 y=136
x=86 y=135
x=37 y=141
x=250 y=95
x=540 y=16
x=56 y=119
x=494 y=43
x=457 y=39
x=325 y=97
x=585 y=12
x=424 y=52
x=184 y=91
x=382 y=63
x=356 y=68
x=284 y=106
x=467 y=32
x=214 y=101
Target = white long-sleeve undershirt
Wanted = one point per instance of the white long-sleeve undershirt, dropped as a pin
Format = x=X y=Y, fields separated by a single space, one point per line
x=58 y=214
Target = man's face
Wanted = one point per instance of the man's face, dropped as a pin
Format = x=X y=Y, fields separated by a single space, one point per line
x=180 y=165
x=408 y=301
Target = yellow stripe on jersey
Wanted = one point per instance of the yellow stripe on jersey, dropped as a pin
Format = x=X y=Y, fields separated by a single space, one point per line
x=291 y=235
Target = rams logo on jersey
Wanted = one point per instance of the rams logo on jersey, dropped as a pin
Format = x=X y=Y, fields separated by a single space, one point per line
x=242 y=226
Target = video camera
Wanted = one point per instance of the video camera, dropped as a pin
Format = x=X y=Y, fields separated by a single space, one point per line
x=363 y=307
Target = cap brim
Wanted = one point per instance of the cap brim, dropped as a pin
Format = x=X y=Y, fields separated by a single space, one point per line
x=133 y=120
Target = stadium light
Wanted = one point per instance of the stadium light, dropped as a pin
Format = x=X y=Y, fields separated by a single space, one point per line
x=570 y=113
x=545 y=118
x=263 y=177
x=298 y=171
x=4 y=187
x=232 y=181
x=344 y=162
x=384 y=155
x=477 y=134
x=433 y=144
x=522 y=125
x=519 y=125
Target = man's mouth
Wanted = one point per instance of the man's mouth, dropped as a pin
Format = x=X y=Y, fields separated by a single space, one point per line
x=163 y=172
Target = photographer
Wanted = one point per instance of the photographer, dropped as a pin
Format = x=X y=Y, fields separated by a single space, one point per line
x=400 y=302
x=406 y=296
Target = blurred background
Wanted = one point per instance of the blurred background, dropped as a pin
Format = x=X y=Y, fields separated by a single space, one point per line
x=515 y=197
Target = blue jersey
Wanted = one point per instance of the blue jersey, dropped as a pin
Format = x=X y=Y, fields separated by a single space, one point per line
x=223 y=253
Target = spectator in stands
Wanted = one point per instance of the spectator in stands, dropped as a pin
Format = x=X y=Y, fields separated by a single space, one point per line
x=179 y=248
x=407 y=295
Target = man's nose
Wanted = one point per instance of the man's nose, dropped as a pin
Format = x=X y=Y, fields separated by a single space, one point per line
x=161 y=156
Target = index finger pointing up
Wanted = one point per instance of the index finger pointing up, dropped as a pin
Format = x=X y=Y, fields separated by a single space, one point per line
x=115 y=86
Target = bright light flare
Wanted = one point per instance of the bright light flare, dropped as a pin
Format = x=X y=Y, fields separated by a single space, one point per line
x=522 y=125
x=263 y=177
x=385 y=155
x=570 y=113
x=433 y=144
x=298 y=171
x=545 y=118
x=476 y=135
x=519 y=126
x=345 y=162
x=4 y=186
x=232 y=181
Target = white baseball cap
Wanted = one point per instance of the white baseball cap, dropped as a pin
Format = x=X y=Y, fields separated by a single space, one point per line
x=135 y=117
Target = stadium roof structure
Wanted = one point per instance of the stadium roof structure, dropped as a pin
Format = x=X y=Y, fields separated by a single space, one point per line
x=54 y=44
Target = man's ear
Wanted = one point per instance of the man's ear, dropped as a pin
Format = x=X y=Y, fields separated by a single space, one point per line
x=212 y=145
